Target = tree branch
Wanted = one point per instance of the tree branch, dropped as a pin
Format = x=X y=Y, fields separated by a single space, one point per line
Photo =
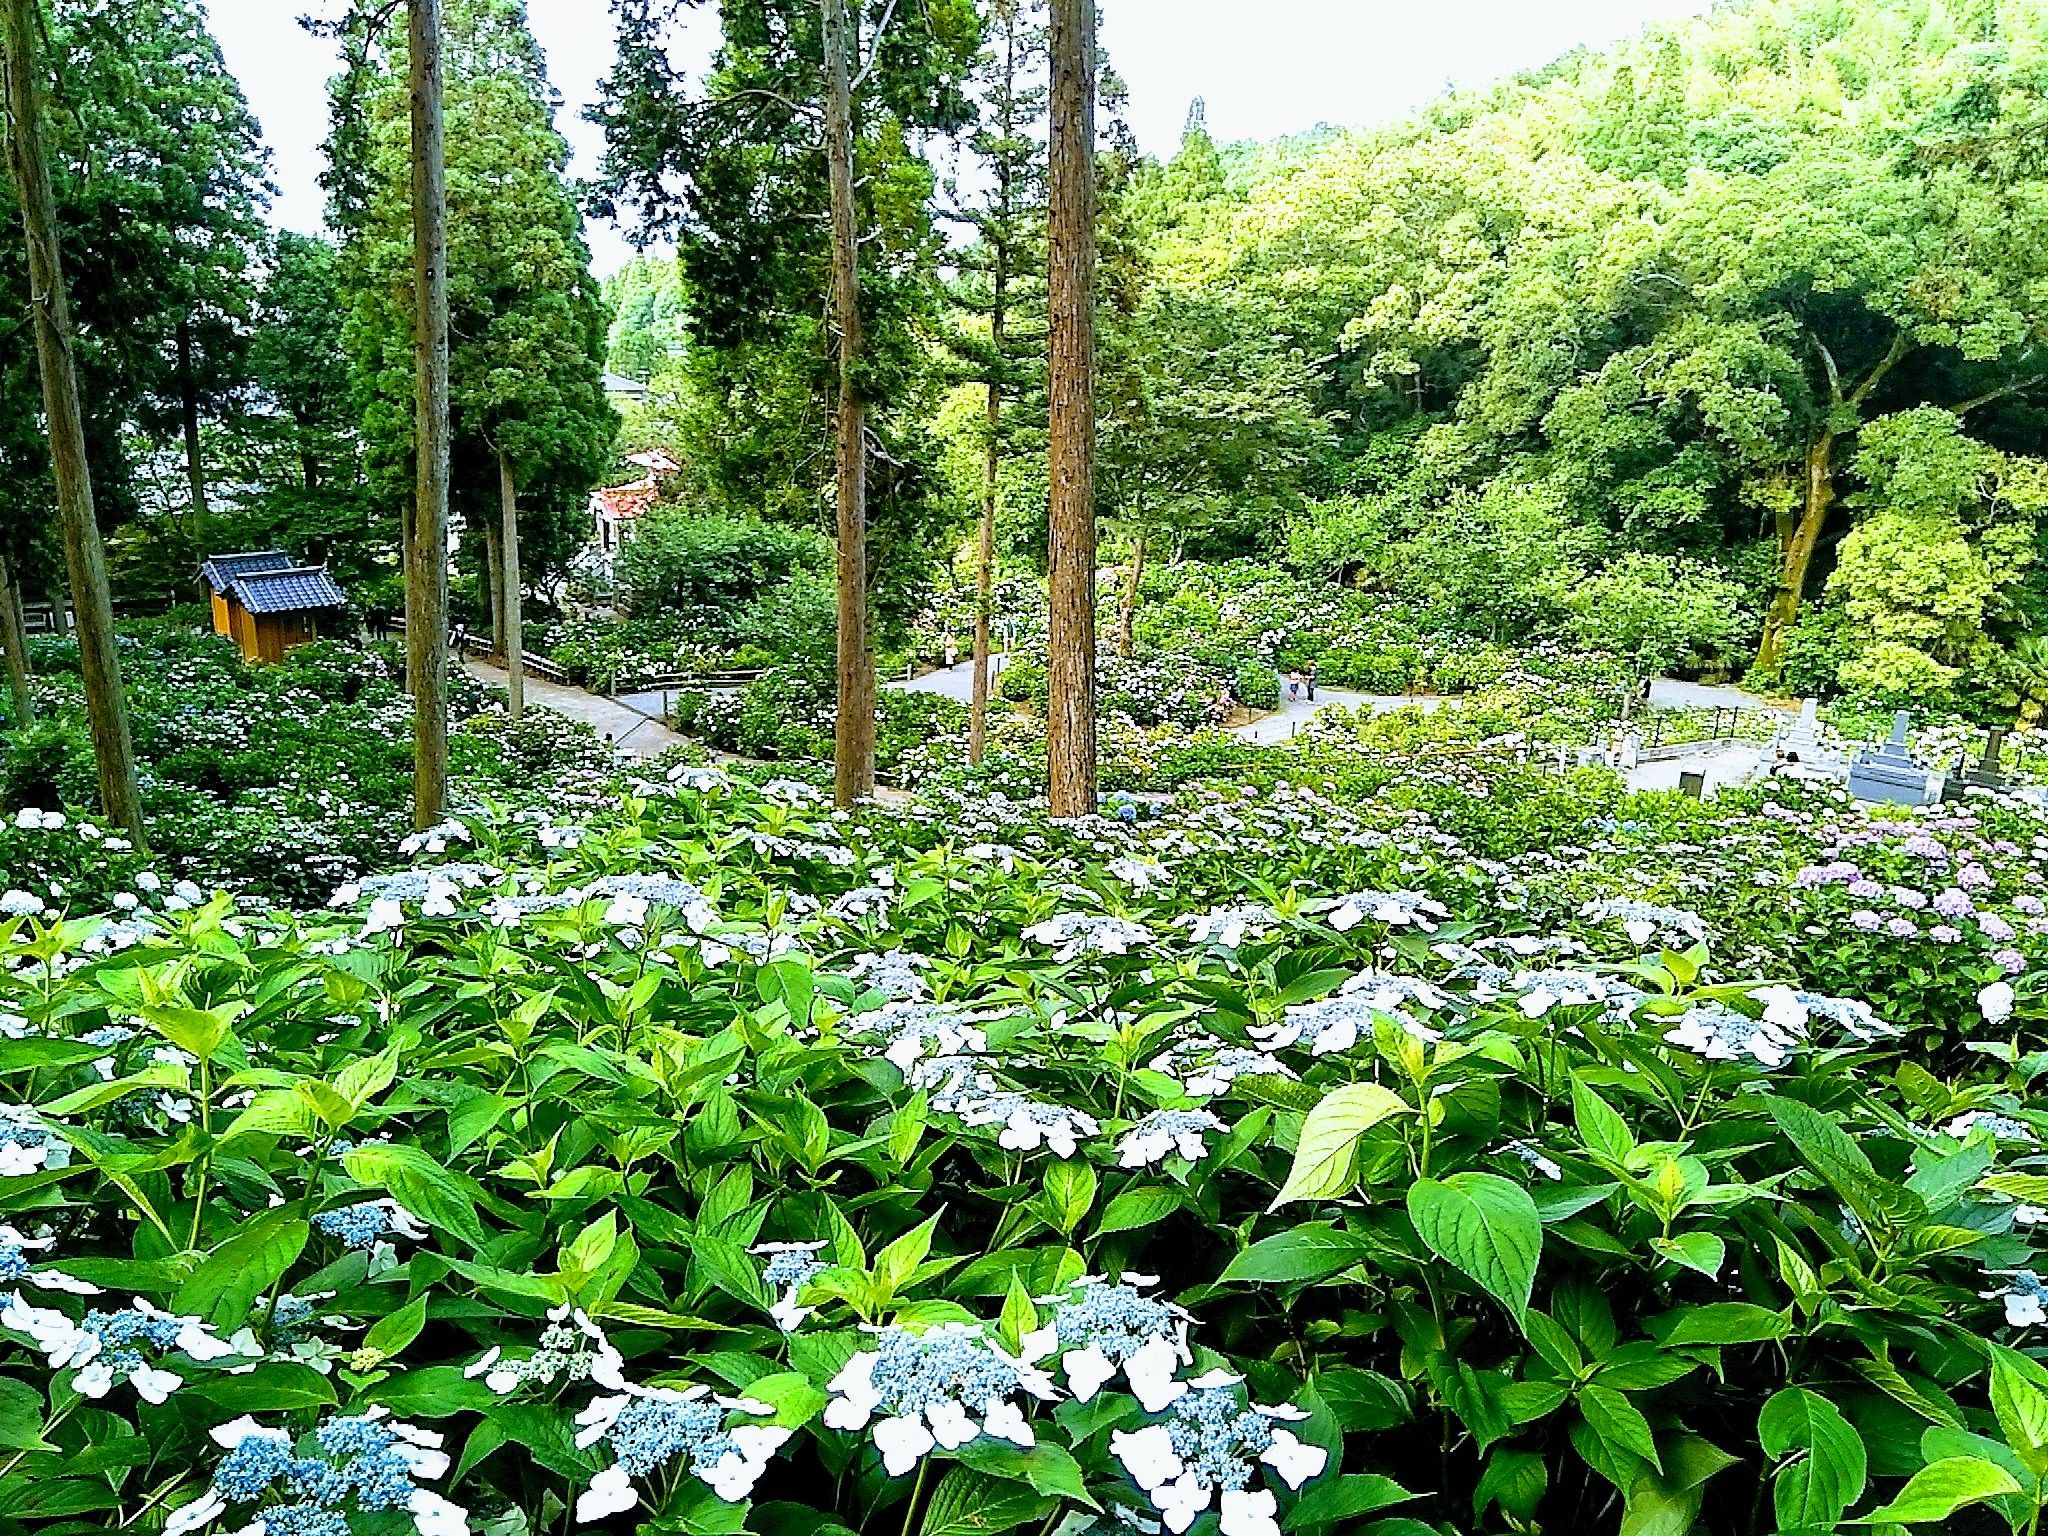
x=1894 y=355
x=874 y=48
x=2017 y=387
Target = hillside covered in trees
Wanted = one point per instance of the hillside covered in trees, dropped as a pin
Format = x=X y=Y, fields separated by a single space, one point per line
x=1739 y=324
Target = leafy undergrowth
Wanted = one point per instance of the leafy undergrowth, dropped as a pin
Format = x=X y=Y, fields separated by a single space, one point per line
x=707 y=1161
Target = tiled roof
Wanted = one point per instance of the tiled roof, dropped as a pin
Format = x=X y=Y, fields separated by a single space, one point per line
x=222 y=571
x=297 y=590
x=625 y=503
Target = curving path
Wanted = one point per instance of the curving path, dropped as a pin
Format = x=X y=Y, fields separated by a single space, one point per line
x=631 y=730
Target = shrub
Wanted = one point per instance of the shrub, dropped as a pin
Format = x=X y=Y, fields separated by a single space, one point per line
x=1256 y=686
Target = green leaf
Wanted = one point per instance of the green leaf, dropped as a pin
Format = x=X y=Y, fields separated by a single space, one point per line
x=970 y=1503
x=388 y=1336
x=1046 y=1468
x=421 y=1185
x=1702 y=1251
x=895 y=1264
x=1667 y=1503
x=1618 y=1421
x=21 y=1417
x=1485 y=1225
x=1817 y=1488
x=1322 y=1157
x=1938 y=1491
x=1830 y=1152
x=1515 y=1480
x=2019 y=1401
x=1345 y=1498
x=1601 y=1129
x=231 y=1277
x=1719 y=1322
x=1069 y=1192
x=1312 y=1252
x=1137 y=1208
x=437 y=1392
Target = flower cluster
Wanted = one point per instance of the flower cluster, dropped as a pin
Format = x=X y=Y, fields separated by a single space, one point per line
x=646 y=1428
x=1099 y=1328
x=368 y=1464
x=944 y=1387
x=1207 y=1452
x=572 y=1348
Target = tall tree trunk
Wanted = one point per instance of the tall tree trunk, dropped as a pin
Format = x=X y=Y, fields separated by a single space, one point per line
x=998 y=331
x=985 y=573
x=1070 y=294
x=509 y=580
x=105 y=704
x=427 y=580
x=493 y=573
x=1127 y=617
x=854 y=739
x=195 y=466
x=15 y=644
x=1798 y=538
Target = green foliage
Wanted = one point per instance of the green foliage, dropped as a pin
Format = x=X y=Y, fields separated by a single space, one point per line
x=1579 y=1218
x=681 y=560
x=528 y=321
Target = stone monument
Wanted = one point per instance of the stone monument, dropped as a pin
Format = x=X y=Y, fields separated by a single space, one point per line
x=1800 y=739
x=1888 y=773
x=1990 y=772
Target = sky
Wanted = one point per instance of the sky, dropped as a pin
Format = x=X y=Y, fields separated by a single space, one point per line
x=1263 y=67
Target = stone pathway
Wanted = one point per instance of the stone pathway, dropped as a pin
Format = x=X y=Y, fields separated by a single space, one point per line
x=955 y=682
x=1670 y=693
x=631 y=729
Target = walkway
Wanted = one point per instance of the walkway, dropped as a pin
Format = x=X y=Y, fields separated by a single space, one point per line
x=955 y=682
x=1670 y=693
x=1722 y=766
x=631 y=730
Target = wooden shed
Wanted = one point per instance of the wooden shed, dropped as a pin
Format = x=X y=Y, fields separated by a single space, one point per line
x=267 y=603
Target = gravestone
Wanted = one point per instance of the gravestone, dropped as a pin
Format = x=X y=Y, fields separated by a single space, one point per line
x=1888 y=773
x=1800 y=739
x=1989 y=773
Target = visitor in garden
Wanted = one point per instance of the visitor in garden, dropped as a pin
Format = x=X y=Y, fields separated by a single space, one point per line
x=1294 y=687
x=952 y=651
x=1311 y=682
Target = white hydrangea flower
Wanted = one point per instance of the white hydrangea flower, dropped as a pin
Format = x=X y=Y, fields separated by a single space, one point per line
x=945 y=1386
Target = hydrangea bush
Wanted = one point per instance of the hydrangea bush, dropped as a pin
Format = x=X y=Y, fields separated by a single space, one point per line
x=691 y=1158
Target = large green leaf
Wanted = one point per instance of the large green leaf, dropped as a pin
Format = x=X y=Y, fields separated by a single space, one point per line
x=1322 y=1157
x=970 y=1503
x=421 y=1185
x=1312 y=1252
x=1830 y=1152
x=1938 y=1491
x=1831 y=1465
x=231 y=1277
x=1487 y=1226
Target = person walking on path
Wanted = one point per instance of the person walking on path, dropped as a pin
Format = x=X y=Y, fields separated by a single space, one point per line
x=1294 y=687
x=1311 y=682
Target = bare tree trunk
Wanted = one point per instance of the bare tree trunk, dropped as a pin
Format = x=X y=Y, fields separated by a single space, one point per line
x=508 y=582
x=195 y=466
x=106 y=705
x=427 y=579
x=493 y=572
x=1797 y=540
x=854 y=740
x=1127 y=616
x=15 y=644
x=977 y=715
x=1070 y=703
